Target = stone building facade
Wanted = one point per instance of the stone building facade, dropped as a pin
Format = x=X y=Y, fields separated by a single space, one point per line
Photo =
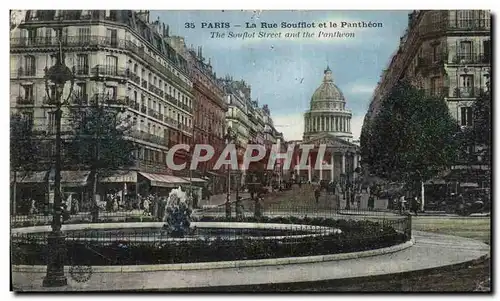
x=121 y=59
x=447 y=53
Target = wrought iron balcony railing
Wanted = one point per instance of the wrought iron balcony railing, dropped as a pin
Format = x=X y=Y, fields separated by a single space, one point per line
x=145 y=136
x=82 y=70
x=26 y=72
x=135 y=78
x=110 y=70
x=81 y=99
x=144 y=84
x=100 y=41
x=469 y=58
x=171 y=121
x=26 y=100
x=466 y=92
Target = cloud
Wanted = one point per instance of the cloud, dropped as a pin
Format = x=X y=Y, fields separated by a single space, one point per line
x=361 y=88
x=292 y=125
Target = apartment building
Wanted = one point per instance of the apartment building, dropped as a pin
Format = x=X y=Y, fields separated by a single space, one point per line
x=121 y=59
x=209 y=111
x=447 y=53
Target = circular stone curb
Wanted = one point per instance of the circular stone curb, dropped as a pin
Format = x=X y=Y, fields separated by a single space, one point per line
x=228 y=264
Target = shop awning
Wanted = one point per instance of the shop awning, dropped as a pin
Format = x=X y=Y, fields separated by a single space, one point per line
x=121 y=177
x=29 y=176
x=68 y=177
x=72 y=177
x=195 y=180
x=160 y=180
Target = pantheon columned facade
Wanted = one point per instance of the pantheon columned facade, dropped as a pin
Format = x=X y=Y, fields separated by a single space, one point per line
x=328 y=122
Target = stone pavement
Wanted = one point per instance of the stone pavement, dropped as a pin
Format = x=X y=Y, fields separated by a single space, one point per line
x=429 y=251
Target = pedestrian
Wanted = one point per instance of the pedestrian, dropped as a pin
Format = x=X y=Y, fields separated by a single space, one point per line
x=146 y=206
x=371 y=202
x=415 y=205
x=317 y=193
x=33 y=209
x=402 y=204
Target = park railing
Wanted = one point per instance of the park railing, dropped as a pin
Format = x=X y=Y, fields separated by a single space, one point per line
x=148 y=243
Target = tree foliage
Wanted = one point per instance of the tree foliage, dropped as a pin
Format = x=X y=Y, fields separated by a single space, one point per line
x=99 y=139
x=481 y=130
x=412 y=138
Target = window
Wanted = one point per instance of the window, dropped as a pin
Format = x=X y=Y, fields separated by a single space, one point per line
x=84 y=34
x=486 y=51
x=82 y=64
x=27 y=118
x=110 y=92
x=465 y=51
x=435 y=53
x=466 y=85
x=28 y=93
x=51 y=116
x=135 y=96
x=29 y=65
x=111 y=65
x=111 y=37
x=466 y=116
x=81 y=92
x=465 y=18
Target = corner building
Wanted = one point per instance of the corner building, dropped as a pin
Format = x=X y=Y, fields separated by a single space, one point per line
x=122 y=58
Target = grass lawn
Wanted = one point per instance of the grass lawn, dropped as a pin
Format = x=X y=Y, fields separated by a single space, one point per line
x=470 y=227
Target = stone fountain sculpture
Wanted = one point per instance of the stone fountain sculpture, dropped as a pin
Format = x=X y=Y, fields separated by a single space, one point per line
x=177 y=216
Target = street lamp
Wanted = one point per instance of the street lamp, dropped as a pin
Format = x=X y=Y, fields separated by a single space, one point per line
x=57 y=75
x=230 y=137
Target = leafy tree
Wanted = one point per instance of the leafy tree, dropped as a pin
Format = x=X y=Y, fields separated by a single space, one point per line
x=99 y=142
x=25 y=148
x=481 y=131
x=412 y=138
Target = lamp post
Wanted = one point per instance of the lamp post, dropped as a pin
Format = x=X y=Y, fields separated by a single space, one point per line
x=57 y=75
x=229 y=138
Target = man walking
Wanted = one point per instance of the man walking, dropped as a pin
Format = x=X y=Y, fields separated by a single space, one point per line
x=317 y=193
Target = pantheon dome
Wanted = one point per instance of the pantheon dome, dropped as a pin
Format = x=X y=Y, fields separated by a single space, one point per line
x=327 y=113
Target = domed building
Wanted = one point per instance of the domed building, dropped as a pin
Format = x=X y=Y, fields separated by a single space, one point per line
x=328 y=113
x=328 y=122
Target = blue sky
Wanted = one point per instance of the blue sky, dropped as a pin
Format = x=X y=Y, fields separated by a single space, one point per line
x=284 y=73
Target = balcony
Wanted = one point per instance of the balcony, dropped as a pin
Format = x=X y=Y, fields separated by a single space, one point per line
x=153 y=113
x=144 y=109
x=134 y=105
x=144 y=84
x=26 y=72
x=81 y=99
x=82 y=70
x=26 y=100
x=135 y=78
x=438 y=92
x=109 y=70
x=481 y=24
x=466 y=92
x=171 y=121
x=154 y=89
x=472 y=58
x=141 y=135
x=103 y=98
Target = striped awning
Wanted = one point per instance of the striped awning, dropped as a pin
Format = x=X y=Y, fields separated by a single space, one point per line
x=195 y=180
x=160 y=180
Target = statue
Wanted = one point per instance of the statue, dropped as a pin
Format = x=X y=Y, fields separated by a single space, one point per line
x=177 y=216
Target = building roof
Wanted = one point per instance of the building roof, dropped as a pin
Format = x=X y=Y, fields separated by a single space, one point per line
x=327 y=91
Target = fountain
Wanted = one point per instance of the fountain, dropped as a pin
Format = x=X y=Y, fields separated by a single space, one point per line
x=177 y=216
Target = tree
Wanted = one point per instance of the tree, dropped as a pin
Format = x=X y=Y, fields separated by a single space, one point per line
x=99 y=142
x=481 y=130
x=412 y=138
x=25 y=149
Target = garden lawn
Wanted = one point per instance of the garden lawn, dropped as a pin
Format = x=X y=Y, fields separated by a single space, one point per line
x=471 y=227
